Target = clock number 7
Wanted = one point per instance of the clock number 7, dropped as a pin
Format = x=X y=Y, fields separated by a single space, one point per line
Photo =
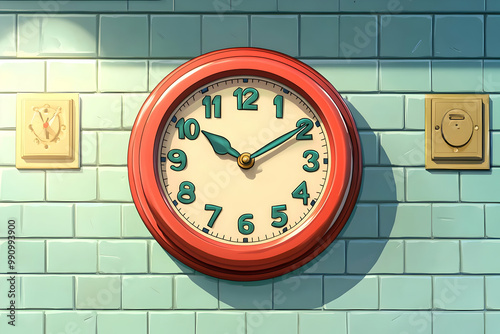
x=216 y=209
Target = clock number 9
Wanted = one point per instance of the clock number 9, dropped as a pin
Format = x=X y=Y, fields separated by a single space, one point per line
x=248 y=103
x=276 y=212
x=189 y=129
x=186 y=193
x=313 y=160
x=177 y=157
x=303 y=134
x=244 y=226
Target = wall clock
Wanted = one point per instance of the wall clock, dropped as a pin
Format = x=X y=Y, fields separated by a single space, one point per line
x=244 y=163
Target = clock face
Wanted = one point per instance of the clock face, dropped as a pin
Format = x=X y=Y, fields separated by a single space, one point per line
x=244 y=163
x=46 y=124
x=203 y=147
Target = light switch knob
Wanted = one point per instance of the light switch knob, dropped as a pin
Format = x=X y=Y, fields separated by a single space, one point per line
x=457 y=127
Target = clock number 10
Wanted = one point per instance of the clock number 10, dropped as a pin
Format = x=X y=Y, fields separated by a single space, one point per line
x=189 y=128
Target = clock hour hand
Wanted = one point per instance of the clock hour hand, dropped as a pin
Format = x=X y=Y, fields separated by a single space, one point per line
x=220 y=144
x=278 y=141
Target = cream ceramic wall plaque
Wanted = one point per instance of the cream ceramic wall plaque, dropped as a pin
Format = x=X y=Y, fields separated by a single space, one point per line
x=48 y=131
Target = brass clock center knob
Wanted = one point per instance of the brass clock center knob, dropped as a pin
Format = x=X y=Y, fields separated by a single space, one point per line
x=244 y=161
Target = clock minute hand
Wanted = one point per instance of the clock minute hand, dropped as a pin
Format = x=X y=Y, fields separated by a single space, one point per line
x=220 y=144
x=278 y=141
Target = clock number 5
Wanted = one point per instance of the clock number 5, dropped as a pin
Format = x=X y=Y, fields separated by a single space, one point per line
x=276 y=212
x=245 y=226
x=247 y=104
x=186 y=193
x=189 y=129
x=314 y=156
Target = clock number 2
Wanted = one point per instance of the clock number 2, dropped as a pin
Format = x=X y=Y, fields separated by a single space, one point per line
x=303 y=134
x=248 y=103
x=186 y=193
x=189 y=128
x=245 y=226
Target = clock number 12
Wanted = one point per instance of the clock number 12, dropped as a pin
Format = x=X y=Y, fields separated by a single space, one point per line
x=247 y=103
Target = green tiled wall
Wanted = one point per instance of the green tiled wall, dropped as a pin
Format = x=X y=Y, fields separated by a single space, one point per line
x=420 y=252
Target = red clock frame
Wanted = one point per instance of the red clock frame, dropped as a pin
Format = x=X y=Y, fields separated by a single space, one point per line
x=245 y=262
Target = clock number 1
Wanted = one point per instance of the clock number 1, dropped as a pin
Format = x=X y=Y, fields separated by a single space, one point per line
x=189 y=128
x=278 y=102
x=245 y=226
x=248 y=103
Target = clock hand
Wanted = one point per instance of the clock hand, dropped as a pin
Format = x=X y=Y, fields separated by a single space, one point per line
x=278 y=141
x=220 y=144
x=53 y=117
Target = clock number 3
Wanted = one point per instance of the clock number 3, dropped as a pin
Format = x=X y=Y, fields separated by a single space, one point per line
x=186 y=193
x=314 y=156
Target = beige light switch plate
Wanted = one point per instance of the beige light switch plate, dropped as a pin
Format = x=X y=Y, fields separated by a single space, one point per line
x=48 y=131
x=457 y=131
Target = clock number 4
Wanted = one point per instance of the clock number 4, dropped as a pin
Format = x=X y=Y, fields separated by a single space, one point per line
x=208 y=103
x=301 y=192
x=186 y=193
x=248 y=102
x=245 y=226
x=189 y=128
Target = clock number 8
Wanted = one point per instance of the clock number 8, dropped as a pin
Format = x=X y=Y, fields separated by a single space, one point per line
x=186 y=130
x=186 y=193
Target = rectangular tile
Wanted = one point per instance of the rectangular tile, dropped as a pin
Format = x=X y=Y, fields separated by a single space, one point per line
x=22 y=185
x=202 y=6
x=369 y=147
x=286 y=322
x=492 y=217
x=406 y=36
x=457 y=76
x=402 y=148
x=394 y=75
x=298 y=292
x=98 y=292
x=113 y=147
x=71 y=256
x=323 y=322
x=131 y=105
x=71 y=76
x=423 y=185
x=458 y=292
x=8 y=148
x=163 y=262
x=47 y=220
x=29 y=256
x=492 y=292
x=376 y=322
x=330 y=261
x=151 y=5
x=310 y=6
x=415 y=112
x=458 y=220
x=8 y=111
x=89 y=148
x=492 y=39
x=457 y=322
x=101 y=111
x=55 y=36
x=459 y=36
x=491 y=72
x=375 y=256
x=118 y=32
x=409 y=6
x=492 y=322
x=113 y=184
x=98 y=220
x=8 y=42
x=196 y=292
x=279 y=33
x=147 y=292
x=52 y=7
x=159 y=69
x=349 y=75
x=132 y=225
x=480 y=186
x=479 y=256
x=79 y=185
x=363 y=222
x=382 y=184
x=123 y=76
x=62 y=321
x=33 y=322
x=124 y=256
x=377 y=112
x=219 y=322
x=405 y=220
x=319 y=36
x=406 y=292
x=177 y=321
x=358 y=36
x=122 y=322
x=232 y=31
x=432 y=256
x=246 y=295
x=165 y=42
x=19 y=75
x=351 y=292
x=47 y=292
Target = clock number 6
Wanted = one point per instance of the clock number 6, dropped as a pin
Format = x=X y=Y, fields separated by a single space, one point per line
x=186 y=193
x=189 y=129
x=244 y=226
